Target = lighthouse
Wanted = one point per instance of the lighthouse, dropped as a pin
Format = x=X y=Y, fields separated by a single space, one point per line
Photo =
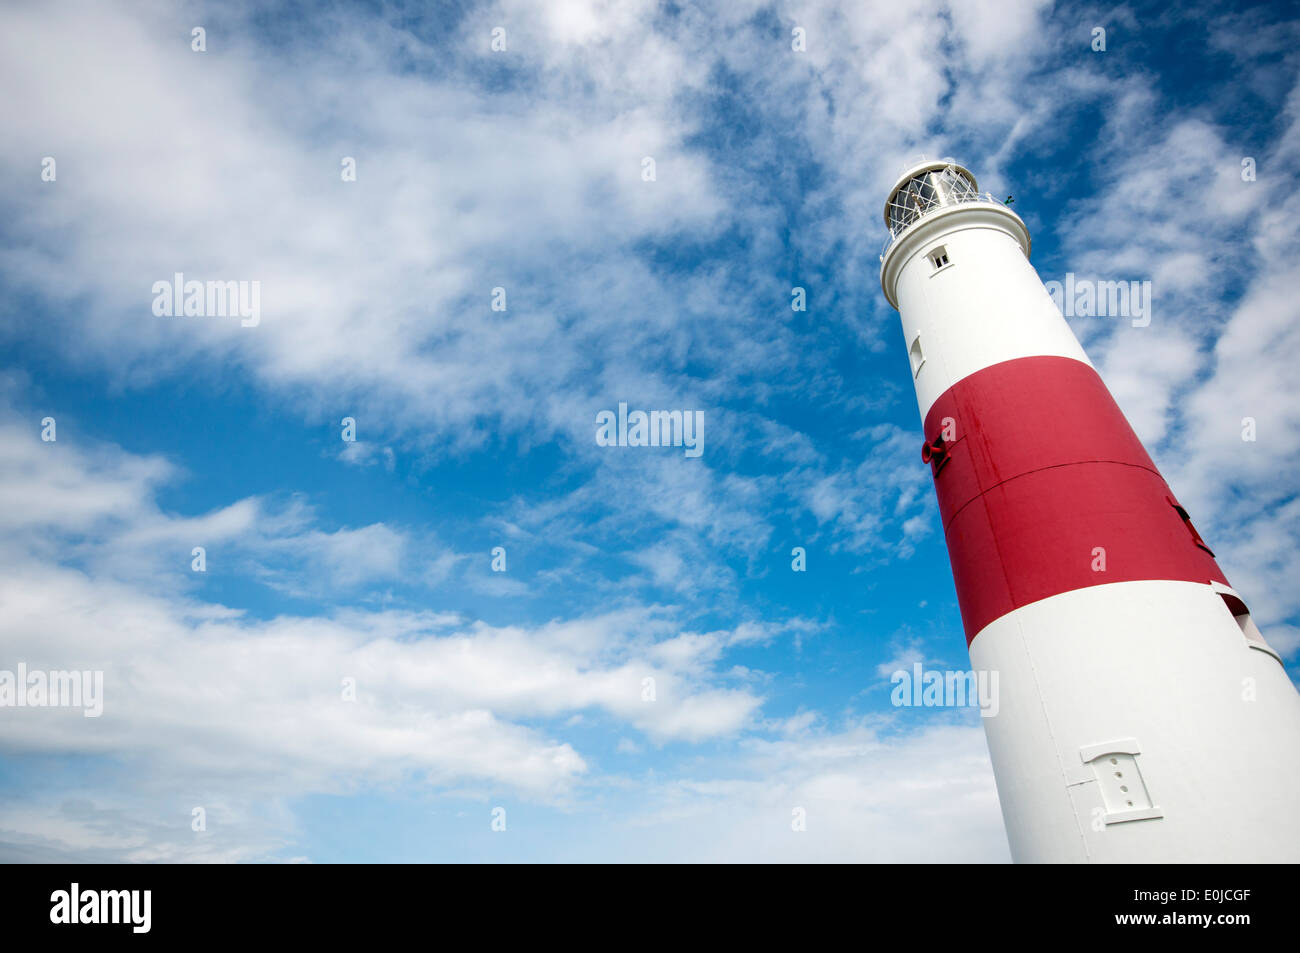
x=1142 y=717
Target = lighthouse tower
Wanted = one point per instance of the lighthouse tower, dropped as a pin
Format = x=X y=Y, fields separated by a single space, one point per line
x=1141 y=715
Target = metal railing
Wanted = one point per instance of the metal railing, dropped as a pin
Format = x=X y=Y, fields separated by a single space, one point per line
x=907 y=215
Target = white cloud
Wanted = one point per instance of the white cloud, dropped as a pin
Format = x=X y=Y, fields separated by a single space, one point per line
x=866 y=795
x=216 y=695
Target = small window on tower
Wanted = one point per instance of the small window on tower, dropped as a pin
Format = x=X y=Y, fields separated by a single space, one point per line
x=939 y=257
x=914 y=352
x=1241 y=614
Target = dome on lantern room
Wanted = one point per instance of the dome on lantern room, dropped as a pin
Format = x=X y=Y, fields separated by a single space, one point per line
x=928 y=185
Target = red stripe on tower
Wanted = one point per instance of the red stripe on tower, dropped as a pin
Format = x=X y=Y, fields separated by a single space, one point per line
x=1044 y=488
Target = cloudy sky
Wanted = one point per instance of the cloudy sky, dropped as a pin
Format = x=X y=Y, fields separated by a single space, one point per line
x=522 y=694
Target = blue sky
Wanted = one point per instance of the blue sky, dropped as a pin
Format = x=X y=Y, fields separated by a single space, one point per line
x=522 y=169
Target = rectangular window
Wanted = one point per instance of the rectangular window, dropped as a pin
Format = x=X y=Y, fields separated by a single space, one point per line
x=939 y=257
x=917 y=358
x=1240 y=614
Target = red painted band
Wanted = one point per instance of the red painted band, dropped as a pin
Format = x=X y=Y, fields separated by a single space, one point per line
x=1045 y=489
